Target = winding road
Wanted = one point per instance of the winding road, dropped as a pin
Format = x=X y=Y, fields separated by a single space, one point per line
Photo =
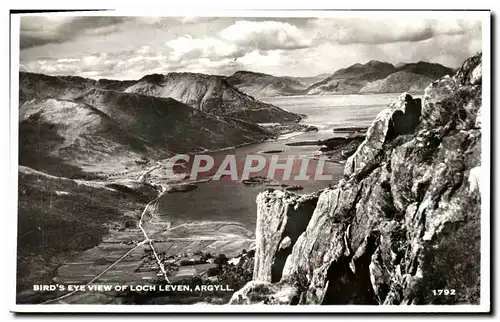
x=146 y=240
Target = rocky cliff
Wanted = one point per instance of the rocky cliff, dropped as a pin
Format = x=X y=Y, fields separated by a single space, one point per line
x=403 y=222
x=211 y=94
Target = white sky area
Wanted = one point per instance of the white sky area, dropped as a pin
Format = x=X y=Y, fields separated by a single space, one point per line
x=131 y=47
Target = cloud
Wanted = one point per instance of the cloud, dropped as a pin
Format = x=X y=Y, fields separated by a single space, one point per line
x=130 y=47
x=383 y=31
x=239 y=39
x=42 y=30
x=265 y=35
x=210 y=47
x=122 y=65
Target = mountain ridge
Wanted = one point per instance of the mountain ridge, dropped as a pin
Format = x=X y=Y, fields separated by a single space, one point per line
x=354 y=79
x=357 y=78
x=210 y=93
x=84 y=129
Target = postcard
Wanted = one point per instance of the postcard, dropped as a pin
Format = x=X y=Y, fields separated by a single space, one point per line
x=251 y=161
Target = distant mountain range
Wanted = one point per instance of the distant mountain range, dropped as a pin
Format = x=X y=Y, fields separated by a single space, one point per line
x=70 y=123
x=265 y=85
x=372 y=77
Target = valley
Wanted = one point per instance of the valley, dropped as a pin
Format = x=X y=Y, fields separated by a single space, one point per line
x=101 y=148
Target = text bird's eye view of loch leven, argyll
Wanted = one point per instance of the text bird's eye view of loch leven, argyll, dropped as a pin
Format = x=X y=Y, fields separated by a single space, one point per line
x=288 y=162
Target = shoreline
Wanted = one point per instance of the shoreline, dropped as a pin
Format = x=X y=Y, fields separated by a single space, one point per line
x=264 y=98
x=163 y=226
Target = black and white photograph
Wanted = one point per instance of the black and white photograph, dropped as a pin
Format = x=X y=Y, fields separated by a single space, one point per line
x=252 y=161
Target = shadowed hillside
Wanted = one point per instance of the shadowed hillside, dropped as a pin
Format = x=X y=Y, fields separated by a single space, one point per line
x=379 y=77
x=74 y=122
x=398 y=82
x=264 y=85
x=211 y=94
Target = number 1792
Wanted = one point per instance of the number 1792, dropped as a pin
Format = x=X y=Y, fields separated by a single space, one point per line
x=445 y=292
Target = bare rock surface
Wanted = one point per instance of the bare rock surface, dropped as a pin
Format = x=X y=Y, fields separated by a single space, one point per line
x=400 y=117
x=406 y=215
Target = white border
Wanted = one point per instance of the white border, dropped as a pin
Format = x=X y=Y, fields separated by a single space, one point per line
x=196 y=12
x=485 y=304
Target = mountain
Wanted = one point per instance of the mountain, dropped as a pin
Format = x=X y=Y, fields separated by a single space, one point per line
x=405 y=215
x=70 y=127
x=369 y=71
x=211 y=94
x=265 y=85
x=379 y=77
x=431 y=70
x=351 y=79
x=308 y=81
x=398 y=82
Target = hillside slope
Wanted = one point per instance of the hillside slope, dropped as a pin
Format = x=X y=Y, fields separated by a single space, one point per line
x=406 y=214
x=264 y=85
x=210 y=94
x=398 y=82
x=58 y=217
x=351 y=79
x=67 y=126
x=431 y=70
x=379 y=77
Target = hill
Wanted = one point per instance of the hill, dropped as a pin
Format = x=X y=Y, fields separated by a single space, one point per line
x=210 y=94
x=264 y=85
x=431 y=70
x=379 y=77
x=68 y=126
x=351 y=79
x=398 y=82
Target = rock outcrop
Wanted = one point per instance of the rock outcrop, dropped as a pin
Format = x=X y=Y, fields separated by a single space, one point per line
x=277 y=234
x=400 y=117
x=404 y=221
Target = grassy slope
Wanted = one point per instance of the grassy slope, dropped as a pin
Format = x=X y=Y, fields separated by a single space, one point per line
x=58 y=217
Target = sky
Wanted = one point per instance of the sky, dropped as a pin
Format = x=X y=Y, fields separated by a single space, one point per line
x=130 y=47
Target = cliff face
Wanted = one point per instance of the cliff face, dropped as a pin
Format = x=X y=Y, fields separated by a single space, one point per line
x=211 y=94
x=404 y=221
